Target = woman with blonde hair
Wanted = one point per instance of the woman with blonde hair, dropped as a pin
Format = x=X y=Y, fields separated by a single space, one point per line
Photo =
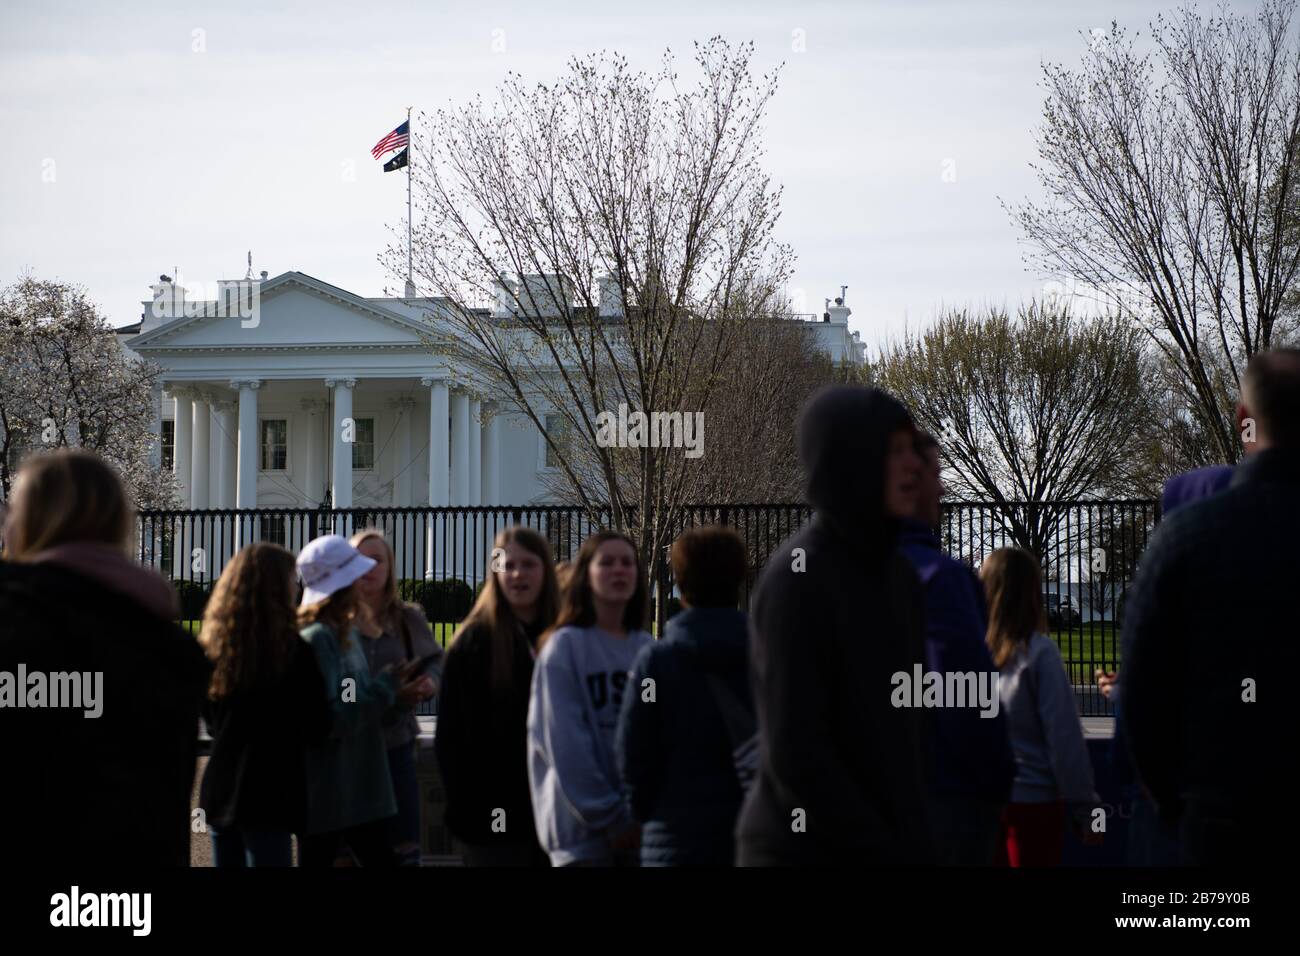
x=396 y=632
x=266 y=705
x=483 y=708
x=349 y=789
x=1053 y=772
x=72 y=601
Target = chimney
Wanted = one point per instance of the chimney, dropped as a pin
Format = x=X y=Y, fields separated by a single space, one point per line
x=838 y=314
x=609 y=298
x=546 y=294
x=167 y=303
x=504 y=290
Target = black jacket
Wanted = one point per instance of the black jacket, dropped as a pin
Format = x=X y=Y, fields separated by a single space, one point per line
x=674 y=752
x=1211 y=614
x=836 y=613
x=256 y=776
x=482 y=742
x=108 y=791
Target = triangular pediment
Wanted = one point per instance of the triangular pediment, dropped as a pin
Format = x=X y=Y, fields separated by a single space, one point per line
x=292 y=310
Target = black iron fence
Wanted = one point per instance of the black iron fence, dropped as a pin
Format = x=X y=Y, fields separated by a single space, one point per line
x=1089 y=551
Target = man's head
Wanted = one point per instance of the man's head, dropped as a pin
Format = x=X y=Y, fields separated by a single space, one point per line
x=931 y=489
x=1270 y=397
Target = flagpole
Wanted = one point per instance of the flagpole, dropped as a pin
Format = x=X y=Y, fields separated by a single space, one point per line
x=410 y=159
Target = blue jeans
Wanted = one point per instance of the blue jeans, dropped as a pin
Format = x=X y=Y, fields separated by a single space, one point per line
x=404 y=828
x=235 y=846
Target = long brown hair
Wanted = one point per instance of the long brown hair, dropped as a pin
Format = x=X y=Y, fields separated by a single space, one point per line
x=492 y=611
x=249 y=629
x=578 y=604
x=66 y=496
x=338 y=611
x=1014 y=586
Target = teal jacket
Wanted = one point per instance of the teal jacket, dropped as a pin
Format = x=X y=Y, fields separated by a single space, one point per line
x=348 y=783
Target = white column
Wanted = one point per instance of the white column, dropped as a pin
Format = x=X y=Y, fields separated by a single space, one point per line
x=313 y=484
x=439 y=444
x=246 y=467
x=341 y=487
x=459 y=448
x=403 y=408
x=227 y=450
x=492 y=459
x=201 y=462
x=183 y=437
x=439 y=472
x=155 y=456
x=475 y=452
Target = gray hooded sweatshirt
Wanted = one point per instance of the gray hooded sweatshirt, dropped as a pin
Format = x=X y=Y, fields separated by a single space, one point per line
x=578 y=685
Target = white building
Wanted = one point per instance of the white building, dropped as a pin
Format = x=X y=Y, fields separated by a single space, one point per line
x=254 y=413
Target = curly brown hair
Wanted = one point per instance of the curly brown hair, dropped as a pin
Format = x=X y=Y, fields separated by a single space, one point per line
x=250 y=627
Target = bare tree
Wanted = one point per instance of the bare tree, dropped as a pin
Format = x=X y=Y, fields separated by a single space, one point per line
x=1170 y=183
x=1030 y=411
x=621 y=226
x=65 y=381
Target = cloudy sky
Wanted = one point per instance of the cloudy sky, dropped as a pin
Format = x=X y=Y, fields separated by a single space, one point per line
x=140 y=138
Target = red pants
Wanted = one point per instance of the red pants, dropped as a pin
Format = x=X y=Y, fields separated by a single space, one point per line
x=1033 y=834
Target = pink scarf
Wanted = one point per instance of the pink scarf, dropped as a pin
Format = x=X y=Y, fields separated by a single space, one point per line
x=112 y=568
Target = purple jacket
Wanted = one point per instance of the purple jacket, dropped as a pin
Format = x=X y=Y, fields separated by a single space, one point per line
x=969 y=754
x=1194 y=485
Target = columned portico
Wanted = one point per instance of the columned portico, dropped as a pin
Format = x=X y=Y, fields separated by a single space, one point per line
x=344 y=435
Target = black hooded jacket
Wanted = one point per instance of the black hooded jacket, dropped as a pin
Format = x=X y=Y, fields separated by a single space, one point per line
x=838 y=611
x=107 y=791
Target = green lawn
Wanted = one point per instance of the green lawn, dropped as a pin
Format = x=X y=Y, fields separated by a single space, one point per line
x=1087 y=646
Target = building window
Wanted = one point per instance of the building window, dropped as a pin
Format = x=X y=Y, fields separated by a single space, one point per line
x=557 y=426
x=275 y=444
x=168 y=444
x=363 y=444
x=273 y=529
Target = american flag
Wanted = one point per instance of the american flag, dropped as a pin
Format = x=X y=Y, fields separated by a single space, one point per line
x=394 y=140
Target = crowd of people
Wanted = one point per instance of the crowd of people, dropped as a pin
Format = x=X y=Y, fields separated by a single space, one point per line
x=568 y=735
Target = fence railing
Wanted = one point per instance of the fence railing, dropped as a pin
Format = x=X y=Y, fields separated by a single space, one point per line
x=1089 y=551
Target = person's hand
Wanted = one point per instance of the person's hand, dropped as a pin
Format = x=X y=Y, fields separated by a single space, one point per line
x=410 y=694
x=1106 y=682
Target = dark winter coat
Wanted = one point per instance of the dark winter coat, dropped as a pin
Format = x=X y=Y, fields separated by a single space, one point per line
x=837 y=612
x=112 y=790
x=674 y=751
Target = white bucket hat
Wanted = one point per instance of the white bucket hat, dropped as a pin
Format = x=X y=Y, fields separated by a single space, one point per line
x=329 y=564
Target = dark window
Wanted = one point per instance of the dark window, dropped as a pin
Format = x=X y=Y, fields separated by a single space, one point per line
x=275 y=444
x=168 y=444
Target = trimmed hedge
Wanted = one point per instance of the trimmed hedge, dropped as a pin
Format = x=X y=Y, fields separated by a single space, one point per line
x=194 y=598
x=448 y=600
